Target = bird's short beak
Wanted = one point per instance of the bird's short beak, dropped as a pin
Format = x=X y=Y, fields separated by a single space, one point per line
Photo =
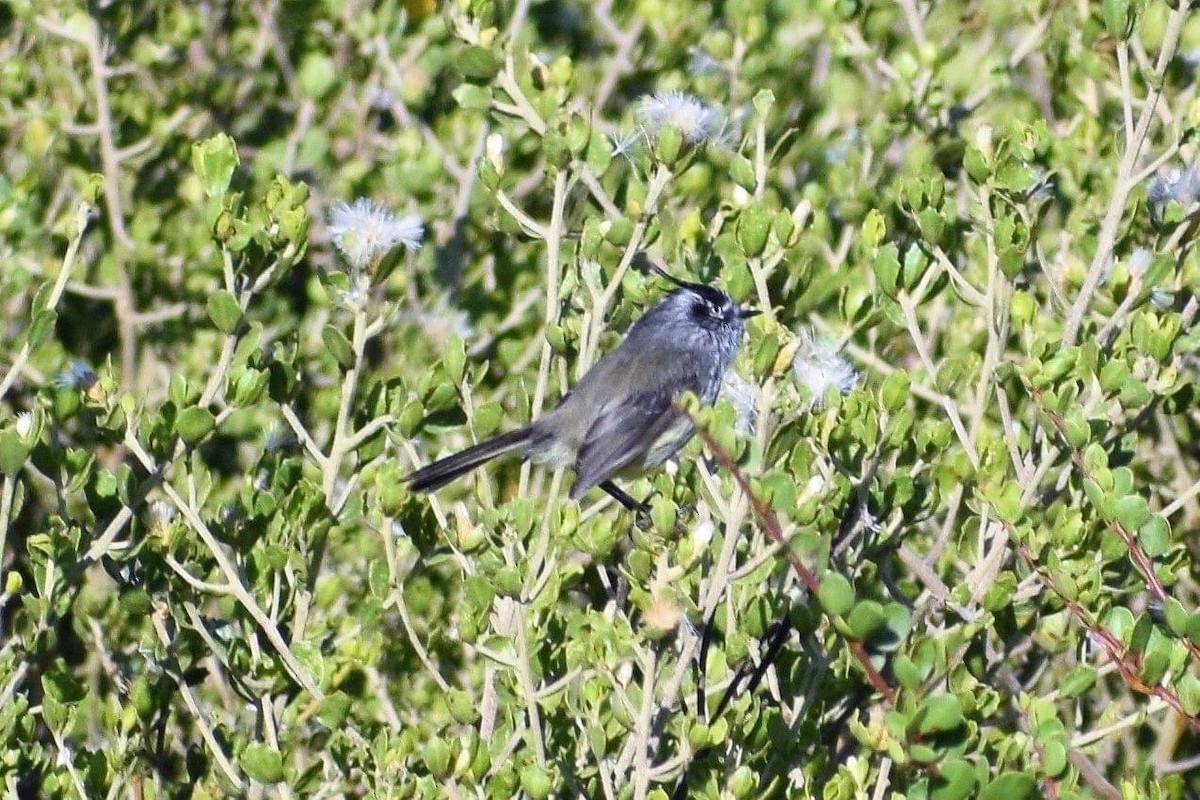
x=747 y=313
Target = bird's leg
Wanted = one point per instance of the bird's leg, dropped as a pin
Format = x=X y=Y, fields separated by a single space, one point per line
x=624 y=499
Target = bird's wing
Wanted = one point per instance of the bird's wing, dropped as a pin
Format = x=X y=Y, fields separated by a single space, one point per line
x=625 y=430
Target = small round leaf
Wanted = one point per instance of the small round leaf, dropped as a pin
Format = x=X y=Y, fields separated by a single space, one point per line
x=224 y=311
x=194 y=424
x=262 y=763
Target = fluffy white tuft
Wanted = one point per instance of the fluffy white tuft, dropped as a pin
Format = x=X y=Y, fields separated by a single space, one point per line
x=818 y=368
x=744 y=399
x=696 y=121
x=365 y=230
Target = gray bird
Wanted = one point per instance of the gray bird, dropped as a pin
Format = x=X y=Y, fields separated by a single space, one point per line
x=621 y=418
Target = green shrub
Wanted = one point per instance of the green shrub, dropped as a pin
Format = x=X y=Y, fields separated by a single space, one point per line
x=258 y=261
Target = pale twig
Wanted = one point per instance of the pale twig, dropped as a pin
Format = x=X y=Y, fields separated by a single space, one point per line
x=196 y=583
x=303 y=435
x=1155 y=705
x=1182 y=500
x=1123 y=184
x=553 y=235
x=270 y=728
x=229 y=570
x=771 y=526
x=620 y=61
x=189 y=699
x=950 y=405
x=1126 y=89
x=589 y=179
x=56 y=291
x=964 y=286
x=869 y=359
x=521 y=106
x=367 y=431
x=66 y=758
x=216 y=380
x=397 y=598
x=528 y=690
x=641 y=729
x=995 y=321
x=124 y=306
x=758 y=270
x=589 y=344
x=527 y=223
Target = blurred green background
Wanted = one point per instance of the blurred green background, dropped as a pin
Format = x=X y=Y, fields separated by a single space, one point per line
x=954 y=557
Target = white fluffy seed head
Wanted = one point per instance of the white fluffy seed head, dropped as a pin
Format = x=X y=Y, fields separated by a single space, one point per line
x=364 y=230
x=744 y=399
x=696 y=121
x=818 y=368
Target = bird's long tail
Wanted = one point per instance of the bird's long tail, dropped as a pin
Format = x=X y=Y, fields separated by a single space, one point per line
x=439 y=473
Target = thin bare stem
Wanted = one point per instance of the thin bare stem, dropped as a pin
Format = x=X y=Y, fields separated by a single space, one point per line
x=1124 y=184
x=60 y=282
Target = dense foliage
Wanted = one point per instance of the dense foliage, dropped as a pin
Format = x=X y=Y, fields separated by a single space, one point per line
x=937 y=540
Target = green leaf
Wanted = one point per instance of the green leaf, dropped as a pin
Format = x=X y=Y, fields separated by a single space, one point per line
x=1094 y=458
x=754 y=224
x=536 y=782
x=1054 y=758
x=339 y=346
x=194 y=424
x=742 y=172
x=1132 y=511
x=836 y=595
x=1156 y=659
x=1188 y=687
x=310 y=657
x=938 y=714
x=864 y=619
x=224 y=311
x=874 y=228
x=214 y=161
x=462 y=707
x=887 y=269
x=454 y=358
x=763 y=100
x=976 y=164
x=262 y=763
x=1118 y=17
x=1176 y=616
x=41 y=326
x=472 y=97
x=135 y=603
x=923 y=753
x=1012 y=786
x=333 y=708
x=1155 y=536
x=1076 y=430
x=487 y=418
x=907 y=673
x=13 y=452
x=1077 y=681
x=54 y=712
x=478 y=63
x=663 y=513
x=437 y=758
x=316 y=76
x=1097 y=497
x=955 y=780
x=1193 y=628
x=895 y=391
